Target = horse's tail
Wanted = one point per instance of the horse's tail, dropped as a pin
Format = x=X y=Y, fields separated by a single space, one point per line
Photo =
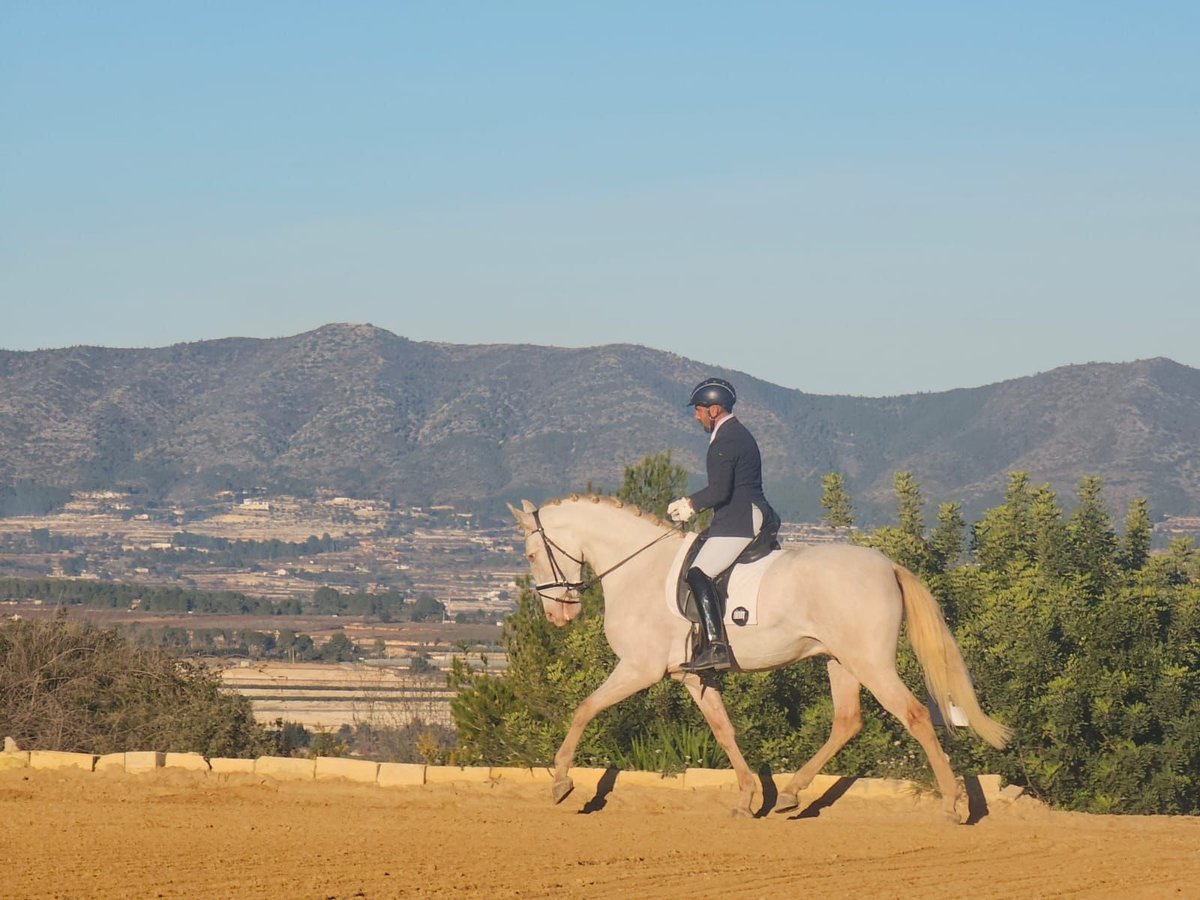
x=945 y=672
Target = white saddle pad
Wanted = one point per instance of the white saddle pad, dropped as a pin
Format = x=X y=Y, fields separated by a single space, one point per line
x=741 y=609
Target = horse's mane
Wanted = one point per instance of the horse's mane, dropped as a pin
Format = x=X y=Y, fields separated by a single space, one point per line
x=615 y=502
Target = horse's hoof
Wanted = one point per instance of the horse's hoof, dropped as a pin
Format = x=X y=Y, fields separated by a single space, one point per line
x=561 y=788
x=740 y=813
x=786 y=803
x=951 y=817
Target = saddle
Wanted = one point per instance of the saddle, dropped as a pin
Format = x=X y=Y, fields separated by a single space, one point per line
x=765 y=543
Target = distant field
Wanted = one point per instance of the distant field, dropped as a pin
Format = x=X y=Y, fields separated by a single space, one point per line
x=415 y=633
x=329 y=695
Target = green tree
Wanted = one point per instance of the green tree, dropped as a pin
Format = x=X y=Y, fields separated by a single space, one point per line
x=653 y=483
x=338 y=648
x=835 y=500
x=1090 y=532
x=327 y=600
x=948 y=539
x=1002 y=537
x=904 y=542
x=1049 y=546
x=1180 y=564
x=1135 y=544
x=427 y=608
x=908 y=505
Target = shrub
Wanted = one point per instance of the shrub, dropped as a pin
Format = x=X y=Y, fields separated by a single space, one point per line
x=67 y=685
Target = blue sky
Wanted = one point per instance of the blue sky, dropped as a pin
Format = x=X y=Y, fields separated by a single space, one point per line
x=841 y=198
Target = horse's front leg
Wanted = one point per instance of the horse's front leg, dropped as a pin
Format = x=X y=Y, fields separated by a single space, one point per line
x=624 y=681
x=708 y=698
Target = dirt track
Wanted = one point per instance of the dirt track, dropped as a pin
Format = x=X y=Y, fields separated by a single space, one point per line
x=178 y=834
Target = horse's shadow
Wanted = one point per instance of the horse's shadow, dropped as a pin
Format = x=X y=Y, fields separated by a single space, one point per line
x=603 y=788
x=977 y=807
x=832 y=795
x=770 y=794
x=976 y=803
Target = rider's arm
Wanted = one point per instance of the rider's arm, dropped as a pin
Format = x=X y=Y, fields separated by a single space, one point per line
x=720 y=463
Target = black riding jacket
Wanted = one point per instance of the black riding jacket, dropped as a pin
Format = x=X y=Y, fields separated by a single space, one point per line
x=734 y=483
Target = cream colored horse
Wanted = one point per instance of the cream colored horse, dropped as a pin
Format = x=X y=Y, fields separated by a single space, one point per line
x=836 y=600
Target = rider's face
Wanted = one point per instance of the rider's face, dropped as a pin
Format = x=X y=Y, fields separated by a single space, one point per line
x=707 y=417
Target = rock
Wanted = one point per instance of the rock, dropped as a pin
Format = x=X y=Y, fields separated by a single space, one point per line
x=1011 y=792
x=60 y=759
x=10 y=746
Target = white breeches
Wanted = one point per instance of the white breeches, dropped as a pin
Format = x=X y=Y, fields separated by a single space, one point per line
x=718 y=553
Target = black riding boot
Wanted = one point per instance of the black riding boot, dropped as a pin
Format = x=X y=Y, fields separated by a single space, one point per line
x=713 y=652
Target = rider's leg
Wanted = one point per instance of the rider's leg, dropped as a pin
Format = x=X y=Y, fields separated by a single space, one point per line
x=712 y=651
x=717 y=555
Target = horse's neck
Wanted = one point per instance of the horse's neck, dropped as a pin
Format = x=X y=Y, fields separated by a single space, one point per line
x=608 y=535
x=633 y=554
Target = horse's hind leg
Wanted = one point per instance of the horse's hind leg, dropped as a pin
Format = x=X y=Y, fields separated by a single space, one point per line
x=897 y=699
x=708 y=698
x=847 y=721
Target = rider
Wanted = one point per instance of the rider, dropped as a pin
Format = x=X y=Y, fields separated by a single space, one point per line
x=735 y=492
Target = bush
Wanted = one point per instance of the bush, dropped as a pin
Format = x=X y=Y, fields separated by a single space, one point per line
x=67 y=685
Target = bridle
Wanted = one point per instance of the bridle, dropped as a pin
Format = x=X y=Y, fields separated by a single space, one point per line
x=577 y=587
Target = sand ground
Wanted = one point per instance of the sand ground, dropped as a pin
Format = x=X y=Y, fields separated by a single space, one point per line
x=178 y=834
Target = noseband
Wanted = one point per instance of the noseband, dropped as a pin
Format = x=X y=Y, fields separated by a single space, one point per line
x=556 y=570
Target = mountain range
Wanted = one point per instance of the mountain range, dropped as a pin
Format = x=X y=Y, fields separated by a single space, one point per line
x=359 y=410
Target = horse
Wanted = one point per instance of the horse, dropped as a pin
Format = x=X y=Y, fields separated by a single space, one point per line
x=842 y=601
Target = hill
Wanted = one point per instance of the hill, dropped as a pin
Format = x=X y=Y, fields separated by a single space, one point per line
x=363 y=411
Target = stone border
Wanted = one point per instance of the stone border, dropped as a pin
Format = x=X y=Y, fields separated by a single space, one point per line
x=361 y=771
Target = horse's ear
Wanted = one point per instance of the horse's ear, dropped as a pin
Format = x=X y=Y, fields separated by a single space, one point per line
x=523 y=517
x=527 y=506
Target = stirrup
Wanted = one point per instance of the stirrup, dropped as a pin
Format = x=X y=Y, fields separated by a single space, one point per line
x=714 y=656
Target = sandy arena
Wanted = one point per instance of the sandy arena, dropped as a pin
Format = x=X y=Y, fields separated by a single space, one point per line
x=67 y=834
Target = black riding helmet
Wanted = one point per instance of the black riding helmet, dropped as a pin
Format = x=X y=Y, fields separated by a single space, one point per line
x=714 y=390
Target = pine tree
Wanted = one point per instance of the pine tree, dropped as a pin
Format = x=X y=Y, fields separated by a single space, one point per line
x=948 y=539
x=653 y=483
x=1050 y=547
x=904 y=542
x=1093 y=541
x=1002 y=537
x=835 y=500
x=908 y=505
x=1135 y=545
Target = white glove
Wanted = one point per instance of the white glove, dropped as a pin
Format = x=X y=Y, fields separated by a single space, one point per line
x=680 y=510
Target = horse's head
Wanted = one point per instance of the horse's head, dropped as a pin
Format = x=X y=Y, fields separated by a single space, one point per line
x=557 y=571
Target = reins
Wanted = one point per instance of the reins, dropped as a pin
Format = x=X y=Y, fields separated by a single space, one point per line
x=579 y=586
